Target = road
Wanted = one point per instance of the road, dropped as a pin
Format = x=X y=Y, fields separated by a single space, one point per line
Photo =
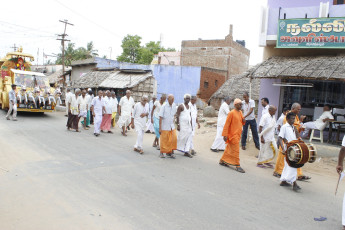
x=58 y=179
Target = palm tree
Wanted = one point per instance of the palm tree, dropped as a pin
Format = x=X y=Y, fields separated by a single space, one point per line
x=90 y=50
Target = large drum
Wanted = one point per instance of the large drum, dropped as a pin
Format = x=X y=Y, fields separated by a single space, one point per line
x=298 y=153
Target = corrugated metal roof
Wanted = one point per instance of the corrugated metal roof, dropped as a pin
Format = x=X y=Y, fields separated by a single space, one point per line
x=123 y=80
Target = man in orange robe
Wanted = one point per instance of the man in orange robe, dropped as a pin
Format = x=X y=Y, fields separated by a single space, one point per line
x=232 y=135
x=295 y=108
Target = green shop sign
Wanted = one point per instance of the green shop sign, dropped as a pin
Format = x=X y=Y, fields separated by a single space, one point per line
x=311 y=33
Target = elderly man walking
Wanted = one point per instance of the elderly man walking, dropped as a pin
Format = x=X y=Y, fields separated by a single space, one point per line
x=68 y=95
x=149 y=124
x=184 y=126
x=232 y=135
x=12 y=104
x=195 y=122
x=73 y=111
x=219 y=143
x=268 y=146
x=106 y=120
x=139 y=118
x=125 y=111
x=249 y=116
x=98 y=109
x=167 y=129
x=155 y=119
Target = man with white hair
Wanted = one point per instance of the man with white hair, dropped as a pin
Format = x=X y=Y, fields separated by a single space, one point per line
x=139 y=118
x=98 y=109
x=219 y=143
x=184 y=126
x=73 y=106
x=195 y=122
x=167 y=131
x=125 y=110
x=149 y=124
x=83 y=102
x=106 y=119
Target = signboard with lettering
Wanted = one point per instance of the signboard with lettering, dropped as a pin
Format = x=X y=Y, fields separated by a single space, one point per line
x=311 y=33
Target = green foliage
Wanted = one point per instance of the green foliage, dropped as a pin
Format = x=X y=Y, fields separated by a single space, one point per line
x=73 y=54
x=133 y=52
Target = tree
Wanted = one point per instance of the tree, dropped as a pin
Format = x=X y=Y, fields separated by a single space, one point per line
x=146 y=56
x=73 y=54
x=130 y=49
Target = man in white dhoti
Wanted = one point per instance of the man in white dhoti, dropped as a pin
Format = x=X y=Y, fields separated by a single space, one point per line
x=125 y=111
x=139 y=118
x=83 y=101
x=288 y=133
x=268 y=146
x=219 y=143
x=98 y=109
x=68 y=96
x=12 y=98
x=155 y=119
x=149 y=124
x=195 y=122
x=340 y=169
x=184 y=126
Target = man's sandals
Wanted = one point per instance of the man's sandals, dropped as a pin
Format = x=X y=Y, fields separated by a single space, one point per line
x=238 y=168
x=188 y=155
x=139 y=150
x=303 y=178
x=277 y=174
x=123 y=134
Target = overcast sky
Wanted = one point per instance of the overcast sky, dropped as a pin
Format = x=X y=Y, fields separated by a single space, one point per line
x=34 y=24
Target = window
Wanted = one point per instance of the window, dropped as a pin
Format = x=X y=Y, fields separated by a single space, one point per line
x=205 y=84
x=338 y=2
x=216 y=83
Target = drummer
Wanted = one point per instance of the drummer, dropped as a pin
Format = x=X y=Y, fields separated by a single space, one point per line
x=288 y=133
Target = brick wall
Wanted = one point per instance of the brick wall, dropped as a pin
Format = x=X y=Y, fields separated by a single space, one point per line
x=210 y=81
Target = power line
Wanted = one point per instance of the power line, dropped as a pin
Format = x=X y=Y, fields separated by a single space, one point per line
x=86 y=18
x=25 y=27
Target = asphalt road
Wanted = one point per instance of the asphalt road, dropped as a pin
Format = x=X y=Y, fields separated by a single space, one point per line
x=65 y=180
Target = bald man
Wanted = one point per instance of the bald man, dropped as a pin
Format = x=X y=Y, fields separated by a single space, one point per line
x=268 y=146
x=139 y=118
x=184 y=126
x=125 y=111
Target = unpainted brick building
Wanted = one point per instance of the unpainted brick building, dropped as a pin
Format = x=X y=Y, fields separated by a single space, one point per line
x=210 y=81
x=222 y=54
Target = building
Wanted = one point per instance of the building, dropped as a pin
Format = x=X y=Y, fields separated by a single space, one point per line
x=210 y=81
x=304 y=48
x=140 y=82
x=169 y=58
x=222 y=54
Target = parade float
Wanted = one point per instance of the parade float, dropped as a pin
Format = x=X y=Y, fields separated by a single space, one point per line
x=33 y=91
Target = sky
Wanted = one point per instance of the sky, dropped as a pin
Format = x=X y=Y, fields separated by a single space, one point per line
x=34 y=25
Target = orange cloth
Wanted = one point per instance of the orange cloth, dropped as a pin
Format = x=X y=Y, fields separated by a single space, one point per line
x=232 y=130
x=281 y=158
x=168 y=141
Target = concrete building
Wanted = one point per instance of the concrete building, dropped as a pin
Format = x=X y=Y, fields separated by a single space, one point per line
x=222 y=54
x=303 y=55
x=169 y=58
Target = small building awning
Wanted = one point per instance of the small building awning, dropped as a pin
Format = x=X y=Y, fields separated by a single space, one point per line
x=28 y=73
x=309 y=67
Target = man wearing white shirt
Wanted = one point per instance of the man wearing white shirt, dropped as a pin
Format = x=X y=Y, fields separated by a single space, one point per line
x=155 y=119
x=114 y=104
x=125 y=111
x=320 y=123
x=83 y=107
x=107 y=115
x=340 y=169
x=287 y=134
x=195 y=122
x=149 y=124
x=268 y=146
x=219 y=143
x=97 y=111
x=139 y=119
x=280 y=121
x=248 y=106
x=69 y=94
x=265 y=105
x=12 y=104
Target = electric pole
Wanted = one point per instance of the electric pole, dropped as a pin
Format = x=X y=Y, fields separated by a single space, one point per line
x=63 y=39
x=14 y=47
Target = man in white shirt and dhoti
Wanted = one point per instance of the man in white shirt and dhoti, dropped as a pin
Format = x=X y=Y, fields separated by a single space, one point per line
x=268 y=146
x=125 y=112
x=149 y=124
x=69 y=94
x=219 y=143
x=139 y=119
x=106 y=120
x=195 y=122
x=184 y=126
x=73 y=111
x=155 y=119
x=83 y=107
x=98 y=109
x=287 y=134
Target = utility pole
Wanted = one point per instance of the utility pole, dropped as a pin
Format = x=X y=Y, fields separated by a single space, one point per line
x=63 y=39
